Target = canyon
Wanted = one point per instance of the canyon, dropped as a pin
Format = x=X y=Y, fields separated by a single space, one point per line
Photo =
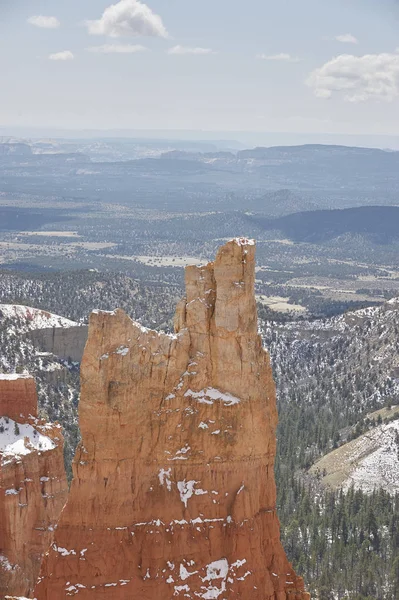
x=173 y=494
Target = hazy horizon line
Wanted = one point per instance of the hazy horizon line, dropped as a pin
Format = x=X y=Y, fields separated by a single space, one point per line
x=238 y=137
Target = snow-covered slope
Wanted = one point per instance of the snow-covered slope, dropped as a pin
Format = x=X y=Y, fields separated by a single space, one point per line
x=19 y=440
x=15 y=322
x=33 y=318
x=368 y=462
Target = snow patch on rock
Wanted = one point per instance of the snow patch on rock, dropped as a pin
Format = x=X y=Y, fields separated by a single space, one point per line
x=19 y=440
x=210 y=395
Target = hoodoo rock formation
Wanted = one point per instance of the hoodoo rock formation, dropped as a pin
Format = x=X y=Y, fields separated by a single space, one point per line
x=33 y=486
x=18 y=397
x=173 y=493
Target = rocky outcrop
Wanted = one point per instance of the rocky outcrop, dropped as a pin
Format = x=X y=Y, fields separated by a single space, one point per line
x=33 y=486
x=18 y=397
x=173 y=494
x=65 y=342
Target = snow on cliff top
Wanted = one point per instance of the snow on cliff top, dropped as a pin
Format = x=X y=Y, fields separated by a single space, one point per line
x=13 y=443
x=14 y=376
x=34 y=318
x=244 y=242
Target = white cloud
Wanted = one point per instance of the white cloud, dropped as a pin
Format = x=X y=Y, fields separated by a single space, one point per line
x=346 y=38
x=283 y=57
x=128 y=18
x=65 y=55
x=117 y=49
x=44 y=22
x=188 y=50
x=359 y=78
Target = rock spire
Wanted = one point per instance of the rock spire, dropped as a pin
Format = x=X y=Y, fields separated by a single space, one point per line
x=173 y=495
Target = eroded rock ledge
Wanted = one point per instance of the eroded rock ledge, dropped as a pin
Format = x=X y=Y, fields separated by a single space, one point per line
x=173 y=493
x=33 y=486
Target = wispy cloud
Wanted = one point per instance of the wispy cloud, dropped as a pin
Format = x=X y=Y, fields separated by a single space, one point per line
x=283 y=57
x=128 y=18
x=44 y=22
x=346 y=38
x=64 y=55
x=117 y=49
x=189 y=50
x=358 y=78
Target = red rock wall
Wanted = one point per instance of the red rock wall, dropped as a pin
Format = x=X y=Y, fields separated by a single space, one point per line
x=33 y=491
x=173 y=494
x=18 y=397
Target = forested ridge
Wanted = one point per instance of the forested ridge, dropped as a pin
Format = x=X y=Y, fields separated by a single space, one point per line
x=344 y=545
x=330 y=374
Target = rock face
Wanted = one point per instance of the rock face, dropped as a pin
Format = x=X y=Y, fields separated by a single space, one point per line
x=18 y=397
x=65 y=342
x=173 y=493
x=33 y=486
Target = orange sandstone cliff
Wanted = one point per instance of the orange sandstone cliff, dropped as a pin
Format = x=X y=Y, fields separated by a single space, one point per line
x=33 y=486
x=173 y=494
x=18 y=397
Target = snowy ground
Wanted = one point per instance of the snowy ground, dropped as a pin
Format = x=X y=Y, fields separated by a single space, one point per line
x=34 y=318
x=19 y=440
x=378 y=466
x=368 y=462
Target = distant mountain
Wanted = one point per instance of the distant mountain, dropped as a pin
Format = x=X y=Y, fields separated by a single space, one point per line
x=380 y=224
x=282 y=202
x=24 y=154
x=166 y=166
x=181 y=155
x=337 y=176
x=311 y=152
x=15 y=149
x=307 y=157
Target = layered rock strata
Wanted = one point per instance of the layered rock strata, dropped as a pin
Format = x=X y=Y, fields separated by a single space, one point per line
x=173 y=494
x=18 y=397
x=33 y=486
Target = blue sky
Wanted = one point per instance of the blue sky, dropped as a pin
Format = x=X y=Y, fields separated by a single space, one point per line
x=224 y=65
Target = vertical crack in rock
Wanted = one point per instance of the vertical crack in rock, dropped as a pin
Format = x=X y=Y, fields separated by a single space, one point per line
x=187 y=446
